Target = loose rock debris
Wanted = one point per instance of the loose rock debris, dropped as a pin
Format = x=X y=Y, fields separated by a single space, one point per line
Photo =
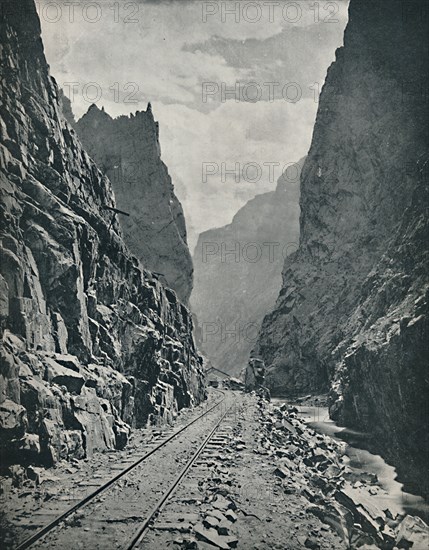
x=265 y=480
x=278 y=484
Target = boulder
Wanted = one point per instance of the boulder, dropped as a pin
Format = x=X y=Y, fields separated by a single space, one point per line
x=413 y=533
x=210 y=535
x=94 y=422
x=363 y=509
x=68 y=361
x=63 y=376
x=13 y=419
x=122 y=433
x=18 y=475
x=333 y=514
x=255 y=374
x=29 y=446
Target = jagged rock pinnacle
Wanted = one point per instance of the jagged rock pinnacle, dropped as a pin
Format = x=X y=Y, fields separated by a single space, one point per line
x=127 y=150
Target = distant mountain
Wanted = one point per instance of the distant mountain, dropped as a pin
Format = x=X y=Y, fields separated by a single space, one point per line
x=237 y=273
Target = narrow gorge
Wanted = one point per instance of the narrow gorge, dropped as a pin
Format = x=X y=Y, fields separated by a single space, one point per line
x=238 y=272
x=269 y=392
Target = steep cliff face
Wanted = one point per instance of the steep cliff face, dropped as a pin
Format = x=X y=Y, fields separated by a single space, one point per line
x=127 y=150
x=91 y=342
x=238 y=272
x=352 y=312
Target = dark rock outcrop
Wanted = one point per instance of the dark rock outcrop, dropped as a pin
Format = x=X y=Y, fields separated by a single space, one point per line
x=254 y=378
x=127 y=150
x=352 y=312
x=238 y=272
x=66 y=107
x=91 y=342
x=255 y=374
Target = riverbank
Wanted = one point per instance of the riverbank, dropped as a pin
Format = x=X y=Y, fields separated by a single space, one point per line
x=394 y=492
x=344 y=496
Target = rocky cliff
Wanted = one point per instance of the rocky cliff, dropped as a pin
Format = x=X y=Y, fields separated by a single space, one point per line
x=91 y=341
x=238 y=272
x=352 y=311
x=127 y=150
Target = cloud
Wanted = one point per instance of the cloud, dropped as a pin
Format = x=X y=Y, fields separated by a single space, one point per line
x=122 y=55
x=298 y=55
x=233 y=137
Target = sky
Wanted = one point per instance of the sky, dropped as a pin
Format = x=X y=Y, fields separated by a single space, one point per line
x=233 y=84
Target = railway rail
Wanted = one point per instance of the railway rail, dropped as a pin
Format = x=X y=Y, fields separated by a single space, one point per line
x=95 y=495
x=144 y=528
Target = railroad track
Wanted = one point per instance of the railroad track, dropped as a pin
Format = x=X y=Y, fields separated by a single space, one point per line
x=94 y=497
x=145 y=527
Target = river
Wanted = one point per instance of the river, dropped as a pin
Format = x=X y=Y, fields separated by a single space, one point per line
x=393 y=495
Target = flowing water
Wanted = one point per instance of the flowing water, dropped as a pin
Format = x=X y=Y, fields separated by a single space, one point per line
x=393 y=494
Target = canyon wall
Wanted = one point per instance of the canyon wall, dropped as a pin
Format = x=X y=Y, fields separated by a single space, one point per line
x=127 y=150
x=352 y=312
x=91 y=342
x=238 y=272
